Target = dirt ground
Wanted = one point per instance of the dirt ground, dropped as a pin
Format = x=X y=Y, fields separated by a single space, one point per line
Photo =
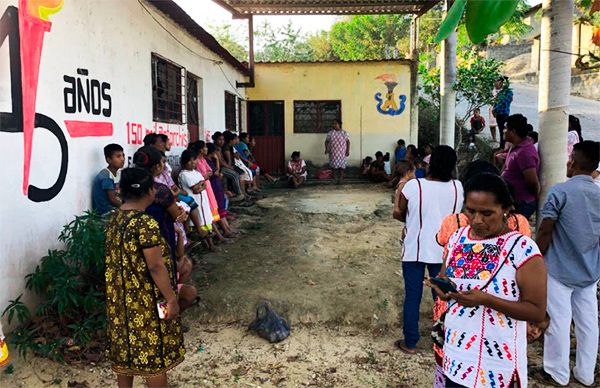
x=328 y=259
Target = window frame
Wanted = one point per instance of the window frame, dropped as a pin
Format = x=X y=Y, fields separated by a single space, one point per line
x=175 y=109
x=231 y=114
x=318 y=127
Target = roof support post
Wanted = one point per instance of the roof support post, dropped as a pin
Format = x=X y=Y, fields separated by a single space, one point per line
x=249 y=84
x=447 y=93
x=414 y=91
x=554 y=91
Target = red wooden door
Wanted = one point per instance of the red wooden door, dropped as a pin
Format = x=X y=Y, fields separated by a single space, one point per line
x=266 y=125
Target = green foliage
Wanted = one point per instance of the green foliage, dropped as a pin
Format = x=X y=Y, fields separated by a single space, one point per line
x=429 y=122
x=231 y=39
x=481 y=17
x=365 y=37
x=282 y=44
x=71 y=287
x=475 y=78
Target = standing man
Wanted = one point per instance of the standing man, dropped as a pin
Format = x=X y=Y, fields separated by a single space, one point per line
x=337 y=146
x=522 y=166
x=568 y=237
x=501 y=109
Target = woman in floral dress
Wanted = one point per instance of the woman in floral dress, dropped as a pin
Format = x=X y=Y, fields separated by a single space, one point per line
x=337 y=146
x=139 y=274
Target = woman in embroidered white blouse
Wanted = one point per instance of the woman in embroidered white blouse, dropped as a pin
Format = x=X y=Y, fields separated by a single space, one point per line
x=501 y=281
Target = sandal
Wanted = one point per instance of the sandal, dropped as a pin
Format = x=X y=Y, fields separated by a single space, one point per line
x=405 y=349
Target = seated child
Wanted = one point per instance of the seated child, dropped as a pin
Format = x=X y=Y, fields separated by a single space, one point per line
x=105 y=185
x=187 y=294
x=387 y=165
x=365 y=166
x=400 y=152
x=296 y=170
x=192 y=181
x=477 y=125
x=377 y=172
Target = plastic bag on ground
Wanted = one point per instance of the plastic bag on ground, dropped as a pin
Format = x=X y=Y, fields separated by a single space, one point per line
x=269 y=325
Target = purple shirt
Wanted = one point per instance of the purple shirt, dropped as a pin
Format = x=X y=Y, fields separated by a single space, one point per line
x=520 y=158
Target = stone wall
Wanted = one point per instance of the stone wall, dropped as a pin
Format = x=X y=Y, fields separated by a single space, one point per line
x=586 y=85
x=504 y=52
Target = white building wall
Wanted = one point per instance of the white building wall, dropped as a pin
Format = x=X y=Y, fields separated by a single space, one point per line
x=113 y=40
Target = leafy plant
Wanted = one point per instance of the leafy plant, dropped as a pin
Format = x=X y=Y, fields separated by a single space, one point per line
x=475 y=78
x=70 y=284
x=481 y=17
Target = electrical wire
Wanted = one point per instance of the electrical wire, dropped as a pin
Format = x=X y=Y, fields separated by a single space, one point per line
x=214 y=61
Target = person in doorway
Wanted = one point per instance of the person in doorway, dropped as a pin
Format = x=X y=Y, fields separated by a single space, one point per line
x=422 y=205
x=522 y=166
x=377 y=172
x=337 y=146
x=296 y=170
x=499 y=276
x=140 y=272
x=502 y=103
x=105 y=186
x=568 y=237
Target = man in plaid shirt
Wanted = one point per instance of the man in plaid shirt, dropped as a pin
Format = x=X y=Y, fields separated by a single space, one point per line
x=501 y=109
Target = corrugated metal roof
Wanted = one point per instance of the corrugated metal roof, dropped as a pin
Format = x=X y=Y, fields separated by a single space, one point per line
x=241 y=8
x=180 y=17
x=333 y=61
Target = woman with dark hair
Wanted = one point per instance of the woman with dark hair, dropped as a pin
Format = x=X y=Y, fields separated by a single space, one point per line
x=422 y=205
x=337 y=146
x=164 y=208
x=522 y=166
x=201 y=151
x=574 y=136
x=139 y=275
x=499 y=279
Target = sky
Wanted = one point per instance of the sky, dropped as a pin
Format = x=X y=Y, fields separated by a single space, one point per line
x=206 y=13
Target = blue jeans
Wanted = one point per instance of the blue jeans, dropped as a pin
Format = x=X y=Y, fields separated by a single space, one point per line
x=414 y=274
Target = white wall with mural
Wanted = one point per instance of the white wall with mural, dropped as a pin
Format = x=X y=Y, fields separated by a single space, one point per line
x=94 y=87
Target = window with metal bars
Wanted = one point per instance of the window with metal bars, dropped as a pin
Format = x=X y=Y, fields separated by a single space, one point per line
x=230 y=112
x=168 y=91
x=316 y=116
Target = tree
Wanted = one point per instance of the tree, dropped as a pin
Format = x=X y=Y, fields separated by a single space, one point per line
x=231 y=39
x=365 y=37
x=320 y=47
x=554 y=90
x=281 y=44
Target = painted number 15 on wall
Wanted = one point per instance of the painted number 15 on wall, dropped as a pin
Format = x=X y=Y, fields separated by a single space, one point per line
x=135 y=133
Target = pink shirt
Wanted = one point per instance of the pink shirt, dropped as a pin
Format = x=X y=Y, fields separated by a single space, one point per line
x=520 y=158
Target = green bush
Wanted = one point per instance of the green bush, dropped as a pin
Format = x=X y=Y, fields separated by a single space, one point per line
x=71 y=315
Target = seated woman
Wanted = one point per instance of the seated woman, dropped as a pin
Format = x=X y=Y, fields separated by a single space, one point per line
x=296 y=170
x=377 y=170
x=365 y=166
x=193 y=182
